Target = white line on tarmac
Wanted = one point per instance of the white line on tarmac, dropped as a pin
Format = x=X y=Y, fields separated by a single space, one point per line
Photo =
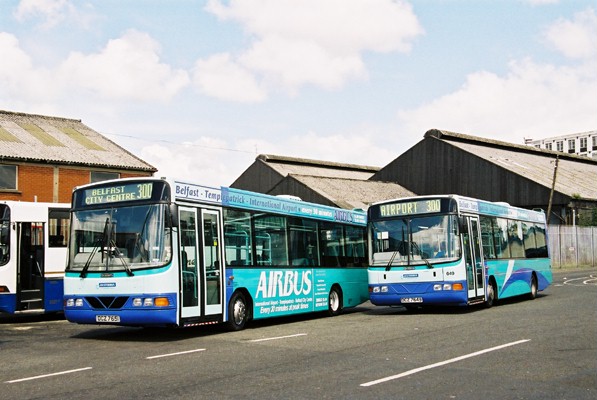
x=174 y=354
x=439 y=364
x=48 y=375
x=276 y=338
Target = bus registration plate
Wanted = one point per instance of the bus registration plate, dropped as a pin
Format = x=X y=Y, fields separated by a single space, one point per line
x=107 y=318
x=411 y=300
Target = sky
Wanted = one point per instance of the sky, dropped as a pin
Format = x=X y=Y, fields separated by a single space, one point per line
x=199 y=88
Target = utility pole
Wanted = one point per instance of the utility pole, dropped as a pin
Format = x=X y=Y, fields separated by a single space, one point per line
x=553 y=185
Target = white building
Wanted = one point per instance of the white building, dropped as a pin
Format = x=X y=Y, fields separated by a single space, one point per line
x=582 y=144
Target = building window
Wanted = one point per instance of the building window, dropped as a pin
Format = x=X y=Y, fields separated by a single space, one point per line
x=8 y=177
x=548 y=146
x=97 y=176
x=560 y=145
x=571 y=145
x=583 y=144
x=594 y=140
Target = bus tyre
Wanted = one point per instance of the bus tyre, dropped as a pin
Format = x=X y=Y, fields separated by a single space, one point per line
x=533 y=293
x=335 y=301
x=491 y=297
x=237 y=312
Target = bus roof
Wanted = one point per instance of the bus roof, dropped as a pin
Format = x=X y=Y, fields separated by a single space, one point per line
x=244 y=199
x=237 y=198
x=478 y=206
x=31 y=211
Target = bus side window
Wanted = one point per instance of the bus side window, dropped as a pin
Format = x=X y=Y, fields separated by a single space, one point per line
x=515 y=238
x=487 y=237
x=500 y=235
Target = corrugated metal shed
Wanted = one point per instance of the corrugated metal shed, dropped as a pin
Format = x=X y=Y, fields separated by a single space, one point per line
x=335 y=184
x=44 y=139
x=447 y=162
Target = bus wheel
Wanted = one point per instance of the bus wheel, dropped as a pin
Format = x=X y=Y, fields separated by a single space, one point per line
x=491 y=298
x=237 y=312
x=335 y=301
x=533 y=293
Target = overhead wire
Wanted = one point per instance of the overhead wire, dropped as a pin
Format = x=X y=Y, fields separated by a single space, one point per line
x=181 y=144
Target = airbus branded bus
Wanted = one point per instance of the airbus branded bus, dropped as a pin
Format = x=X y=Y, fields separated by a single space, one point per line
x=455 y=250
x=153 y=252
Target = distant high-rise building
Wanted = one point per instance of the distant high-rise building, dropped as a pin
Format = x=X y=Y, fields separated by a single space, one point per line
x=582 y=144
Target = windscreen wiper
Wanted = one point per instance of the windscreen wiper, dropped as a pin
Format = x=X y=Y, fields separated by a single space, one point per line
x=418 y=249
x=389 y=266
x=88 y=262
x=118 y=254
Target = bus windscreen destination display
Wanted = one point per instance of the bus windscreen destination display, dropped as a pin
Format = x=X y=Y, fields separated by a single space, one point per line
x=410 y=208
x=117 y=193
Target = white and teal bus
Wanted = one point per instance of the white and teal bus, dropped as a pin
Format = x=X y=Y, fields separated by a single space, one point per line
x=454 y=250
x=152 y=252
x=33 y=240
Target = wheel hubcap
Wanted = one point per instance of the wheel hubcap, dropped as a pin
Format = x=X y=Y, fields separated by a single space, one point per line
x=239 y=312
x=334 y=301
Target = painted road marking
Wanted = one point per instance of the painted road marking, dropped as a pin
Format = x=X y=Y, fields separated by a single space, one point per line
x=48 y=375
x=439 y=364
x=174 y=354
x=278 y=337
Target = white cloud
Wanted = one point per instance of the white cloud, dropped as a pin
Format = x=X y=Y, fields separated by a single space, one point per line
x=19 y=79
x=532 y=101
x=206 y=161
x=541 y=2
x=221 y=78
x=310 y=42
x=361 y=147
x=54 y=12
x=577 y=38
x=127 y=68
x=214 y=162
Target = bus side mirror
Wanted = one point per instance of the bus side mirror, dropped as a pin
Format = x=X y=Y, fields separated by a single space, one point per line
x=174 y=214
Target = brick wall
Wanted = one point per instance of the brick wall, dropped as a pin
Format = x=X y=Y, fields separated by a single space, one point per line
x=38 y=180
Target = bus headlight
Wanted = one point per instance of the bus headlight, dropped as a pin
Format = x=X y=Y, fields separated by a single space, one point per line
x=437 y=287
x=151 y=302
x=73 y=302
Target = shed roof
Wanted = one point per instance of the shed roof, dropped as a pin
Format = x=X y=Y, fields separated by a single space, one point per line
x=38 y=138
x=303 y=166
x=352 y=193
x=576 y=175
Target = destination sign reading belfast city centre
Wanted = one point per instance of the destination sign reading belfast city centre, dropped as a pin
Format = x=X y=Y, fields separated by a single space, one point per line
x=112 y=194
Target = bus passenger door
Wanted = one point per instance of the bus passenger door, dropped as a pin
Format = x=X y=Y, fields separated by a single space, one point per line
x=189 y=266
x=473 y=256
x=201 y=262
x=30 y=266
x=212 y=262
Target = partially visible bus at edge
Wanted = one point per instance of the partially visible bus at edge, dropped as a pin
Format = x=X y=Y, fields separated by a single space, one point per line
x=454 y=250
x=150 y=252
x=33 y=247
